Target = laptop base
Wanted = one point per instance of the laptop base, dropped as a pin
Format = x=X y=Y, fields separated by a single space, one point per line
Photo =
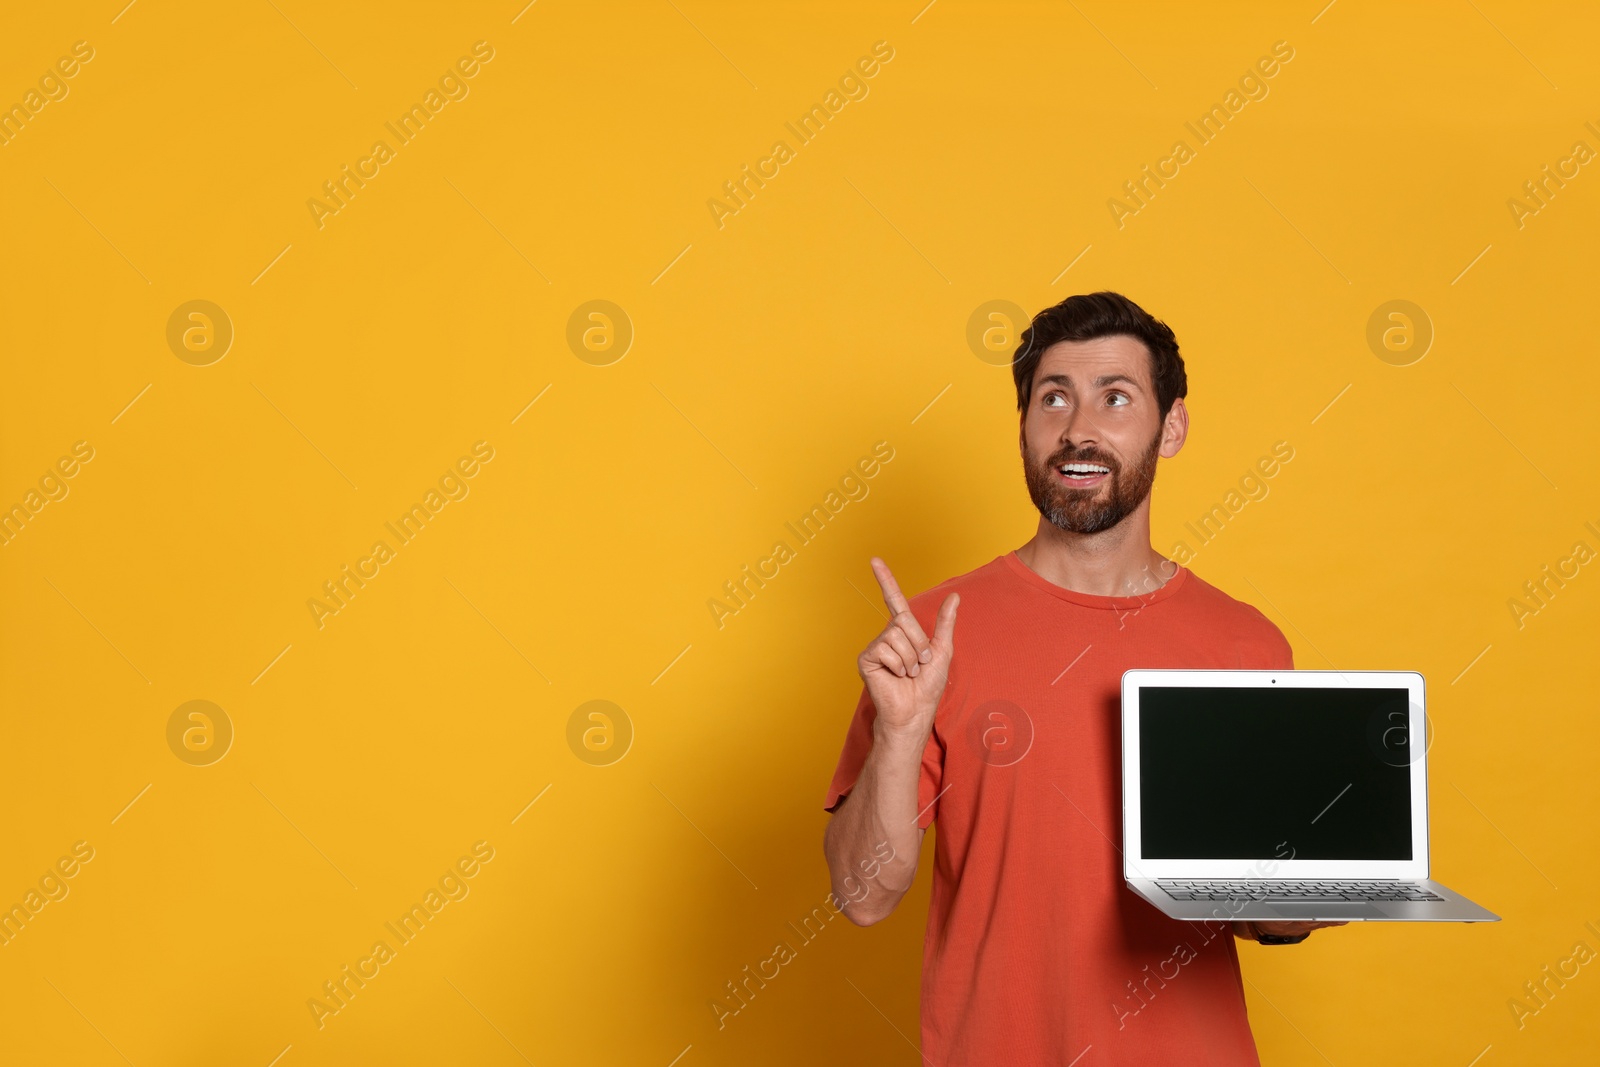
x=1450 y=907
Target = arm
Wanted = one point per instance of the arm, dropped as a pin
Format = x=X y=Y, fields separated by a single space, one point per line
x=873 y=840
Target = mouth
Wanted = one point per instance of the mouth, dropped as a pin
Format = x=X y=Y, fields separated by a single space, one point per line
x=1082 y=475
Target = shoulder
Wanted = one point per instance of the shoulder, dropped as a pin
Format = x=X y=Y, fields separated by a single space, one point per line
x=972 y=585
x=1233 y=615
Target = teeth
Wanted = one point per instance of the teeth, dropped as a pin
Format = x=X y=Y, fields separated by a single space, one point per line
x=1084 y=468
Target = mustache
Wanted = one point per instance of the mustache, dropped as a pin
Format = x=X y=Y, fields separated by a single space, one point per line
x=1083 y=457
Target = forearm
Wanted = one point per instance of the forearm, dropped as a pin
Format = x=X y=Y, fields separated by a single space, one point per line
x=872 y=841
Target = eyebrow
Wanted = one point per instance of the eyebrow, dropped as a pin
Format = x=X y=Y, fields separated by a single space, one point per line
x=1103 y=380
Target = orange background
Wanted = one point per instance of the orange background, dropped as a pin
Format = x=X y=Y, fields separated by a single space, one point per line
x=763 y=358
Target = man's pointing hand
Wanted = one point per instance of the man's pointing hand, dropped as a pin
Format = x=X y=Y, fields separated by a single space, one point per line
x=903 y=669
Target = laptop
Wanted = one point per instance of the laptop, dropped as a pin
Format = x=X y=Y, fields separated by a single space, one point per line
x=1280 y=795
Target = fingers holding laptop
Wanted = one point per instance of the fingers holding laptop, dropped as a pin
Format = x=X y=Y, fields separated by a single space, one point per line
x=904 y=670
x=1290 y=929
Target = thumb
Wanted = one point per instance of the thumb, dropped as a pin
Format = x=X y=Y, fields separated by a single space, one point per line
x=944 y=627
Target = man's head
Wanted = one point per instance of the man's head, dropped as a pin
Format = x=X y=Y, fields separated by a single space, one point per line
x=1099 y=381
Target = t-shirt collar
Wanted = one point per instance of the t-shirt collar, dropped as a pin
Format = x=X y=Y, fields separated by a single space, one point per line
x=1091 y=600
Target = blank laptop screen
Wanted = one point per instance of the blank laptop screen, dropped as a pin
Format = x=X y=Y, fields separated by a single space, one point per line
x=1285 y=773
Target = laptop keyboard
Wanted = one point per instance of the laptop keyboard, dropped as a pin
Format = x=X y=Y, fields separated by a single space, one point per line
x=1222 y=889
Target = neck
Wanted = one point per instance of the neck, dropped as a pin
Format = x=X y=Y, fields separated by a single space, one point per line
x=1115 y=562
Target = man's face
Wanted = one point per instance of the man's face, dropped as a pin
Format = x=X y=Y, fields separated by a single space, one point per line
x=1093 y=403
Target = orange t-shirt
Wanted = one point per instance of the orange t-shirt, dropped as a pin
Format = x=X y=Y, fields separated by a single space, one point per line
x=1036 y=951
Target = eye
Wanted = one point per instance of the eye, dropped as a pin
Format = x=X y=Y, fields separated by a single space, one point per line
x=1052 y=396
x=1126 y=400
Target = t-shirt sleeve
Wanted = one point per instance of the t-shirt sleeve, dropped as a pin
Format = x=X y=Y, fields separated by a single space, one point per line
x=1273 y=649
x=858 y=742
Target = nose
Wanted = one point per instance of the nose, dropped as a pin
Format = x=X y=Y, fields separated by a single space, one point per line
x=1078 y=431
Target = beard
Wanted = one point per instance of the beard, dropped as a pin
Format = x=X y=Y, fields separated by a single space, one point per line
x=1089 y=511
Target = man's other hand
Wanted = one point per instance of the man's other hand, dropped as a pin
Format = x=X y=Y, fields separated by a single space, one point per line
x=1290 y=929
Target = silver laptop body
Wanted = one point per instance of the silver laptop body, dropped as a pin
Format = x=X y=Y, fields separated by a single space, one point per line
x=1280 y=795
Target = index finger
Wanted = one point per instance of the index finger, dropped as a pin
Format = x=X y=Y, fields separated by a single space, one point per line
x=891 y=589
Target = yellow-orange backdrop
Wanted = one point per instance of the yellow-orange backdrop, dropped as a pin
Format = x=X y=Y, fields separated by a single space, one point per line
x=633 y=456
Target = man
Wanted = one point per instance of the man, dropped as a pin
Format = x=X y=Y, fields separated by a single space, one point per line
x=1036 y=953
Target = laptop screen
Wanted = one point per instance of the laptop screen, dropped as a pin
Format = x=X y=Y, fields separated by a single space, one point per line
x=1274 y=773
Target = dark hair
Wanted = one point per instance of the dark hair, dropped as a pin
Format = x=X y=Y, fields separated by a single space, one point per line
x=1087 y=316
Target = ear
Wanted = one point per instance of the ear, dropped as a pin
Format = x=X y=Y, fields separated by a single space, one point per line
x=1175 y=430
